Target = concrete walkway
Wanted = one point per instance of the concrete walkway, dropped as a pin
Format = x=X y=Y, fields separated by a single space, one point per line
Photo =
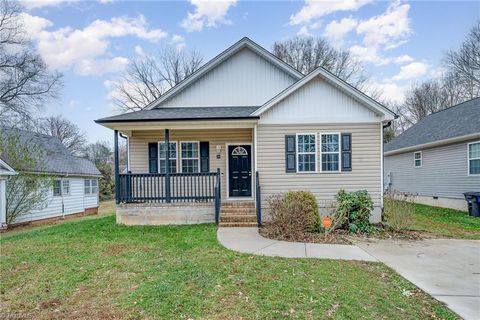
x=248 y=240
x=447 y=269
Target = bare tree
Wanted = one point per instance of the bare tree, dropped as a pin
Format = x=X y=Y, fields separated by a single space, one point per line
x=306 y=54
x=148 y=77
x=25 y=82
x=63 y=129
x=464 y=64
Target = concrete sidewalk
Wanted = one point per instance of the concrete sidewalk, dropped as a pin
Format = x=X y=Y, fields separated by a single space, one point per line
x=447 y=269
x=248 y=240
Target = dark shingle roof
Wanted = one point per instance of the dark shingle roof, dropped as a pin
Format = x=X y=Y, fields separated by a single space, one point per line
x=182 y=114
x=55 y=157
x=460 y=120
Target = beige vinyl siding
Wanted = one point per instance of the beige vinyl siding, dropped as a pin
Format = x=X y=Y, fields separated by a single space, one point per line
x=140 y=139
x=444 y=172
x=366 y=166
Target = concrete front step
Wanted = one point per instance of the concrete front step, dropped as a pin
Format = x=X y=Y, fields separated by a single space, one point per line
x=239 y=224
x=238 y=218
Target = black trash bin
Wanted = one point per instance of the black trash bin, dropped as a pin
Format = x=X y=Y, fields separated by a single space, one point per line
x=473 y=199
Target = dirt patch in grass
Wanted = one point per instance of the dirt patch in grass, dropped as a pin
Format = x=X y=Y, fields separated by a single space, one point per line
x=334 y=237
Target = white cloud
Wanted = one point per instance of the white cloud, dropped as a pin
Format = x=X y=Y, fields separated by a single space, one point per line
x=139 y=50
x=336 y=30
x=318 y=8
x=33 y=24
x=368 y=54
x=33 y=4
x=403 y=59
x=207 y=14
x=411 y=71
x=85 y=49
x=390 y=91
x=387 y=29
x=100 y=66
x=305 y=29
x=178 y=41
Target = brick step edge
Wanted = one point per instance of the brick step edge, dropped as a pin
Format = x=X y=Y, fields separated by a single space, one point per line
x=238 y=204
x=238 y=224
x=238 y=218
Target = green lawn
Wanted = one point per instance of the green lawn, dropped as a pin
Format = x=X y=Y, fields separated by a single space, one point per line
x=446 y=222
x=93 y=268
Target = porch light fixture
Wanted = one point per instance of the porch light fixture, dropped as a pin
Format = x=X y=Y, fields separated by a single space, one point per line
x=218 y=149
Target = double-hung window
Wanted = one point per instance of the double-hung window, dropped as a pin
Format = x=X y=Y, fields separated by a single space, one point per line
x=330 y=151
x=61 y=187
x=474 y=158
x=90 y=186
x=417 y=159
x=172 y=157
x=306 y=152
x=190 y=156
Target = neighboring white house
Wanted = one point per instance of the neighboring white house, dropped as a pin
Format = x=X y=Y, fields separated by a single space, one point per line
x=438 y=159
x=75 y=189
x=5 y=172
x=249 y=126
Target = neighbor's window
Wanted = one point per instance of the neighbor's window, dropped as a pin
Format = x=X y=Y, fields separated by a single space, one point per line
x=172 y=158
x=474 y=158
x=65 y=187
x=307 y=153
x=190 y=156
x=61 y=187
x=417 y=158
x=91 y=186
x=330 y=150
x=57 y=188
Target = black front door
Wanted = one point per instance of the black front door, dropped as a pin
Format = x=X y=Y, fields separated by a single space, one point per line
x=240 y=171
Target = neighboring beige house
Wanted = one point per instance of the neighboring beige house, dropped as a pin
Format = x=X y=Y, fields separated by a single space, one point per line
x=244 y=127
x=438 y=159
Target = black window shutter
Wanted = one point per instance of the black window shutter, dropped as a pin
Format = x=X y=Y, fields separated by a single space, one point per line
x=153 y=157
x=346 y=152
x=290 y=153
x=204 y=156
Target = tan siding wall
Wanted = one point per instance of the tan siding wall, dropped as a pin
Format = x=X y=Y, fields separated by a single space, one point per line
x=365 y=162
x=140 y=139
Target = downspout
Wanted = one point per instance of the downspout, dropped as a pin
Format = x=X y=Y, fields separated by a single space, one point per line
x=382 y=161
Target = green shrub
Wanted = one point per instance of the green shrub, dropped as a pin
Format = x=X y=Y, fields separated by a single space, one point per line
x=352 y=211
x=398 y=210
x=293 y=214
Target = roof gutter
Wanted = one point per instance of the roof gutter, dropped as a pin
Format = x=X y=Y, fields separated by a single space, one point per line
x=175 y=119
x=434 y=144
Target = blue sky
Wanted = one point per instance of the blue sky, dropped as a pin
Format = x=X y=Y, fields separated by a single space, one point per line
x=91 y=42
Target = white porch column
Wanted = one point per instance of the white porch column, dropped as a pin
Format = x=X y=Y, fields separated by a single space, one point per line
x=3 y=203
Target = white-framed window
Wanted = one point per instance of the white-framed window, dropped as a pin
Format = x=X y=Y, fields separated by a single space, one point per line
x=306 y=152
x=61 y=187
x=330 y=152
x=190 y=156
x=57 y=188
x=417 y=159
x=65 y=187
x=90 y=186
x=474 y=158
x=162 y=154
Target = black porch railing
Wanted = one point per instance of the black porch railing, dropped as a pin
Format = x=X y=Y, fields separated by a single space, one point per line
x=171 y=188
x=258 y=199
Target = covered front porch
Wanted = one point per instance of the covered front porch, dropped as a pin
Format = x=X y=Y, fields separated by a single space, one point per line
x=209 y=164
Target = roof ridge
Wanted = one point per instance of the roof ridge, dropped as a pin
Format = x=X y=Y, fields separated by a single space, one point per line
x=451 y=107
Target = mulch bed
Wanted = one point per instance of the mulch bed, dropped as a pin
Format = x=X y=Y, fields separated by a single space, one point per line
x=380 y=231
x=335 y=237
